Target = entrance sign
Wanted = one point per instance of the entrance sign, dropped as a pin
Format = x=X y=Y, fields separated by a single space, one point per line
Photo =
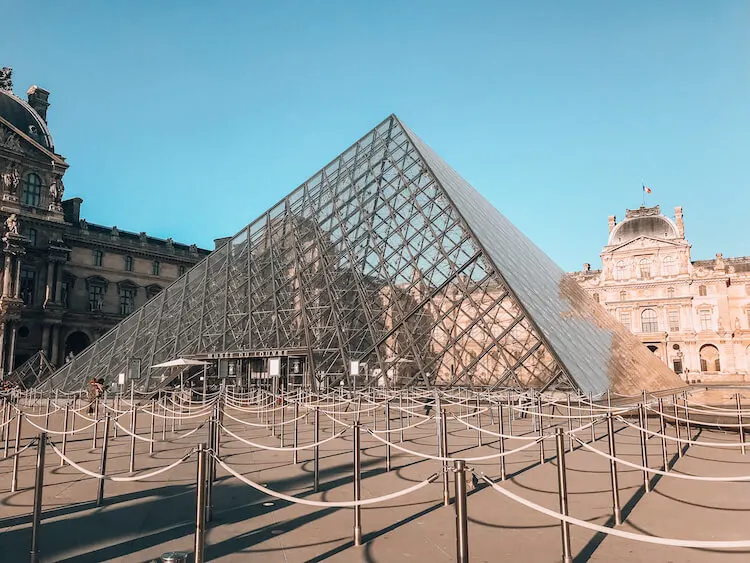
x=121 y=378
x=274 y=366
x=354 y=367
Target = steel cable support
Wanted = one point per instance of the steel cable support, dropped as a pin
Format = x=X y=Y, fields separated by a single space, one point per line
x=686 y=476
x=685 y=440
x=260 y=424
x=700 y=544
x=69 y=432
x=325 y=504
x=279 y=449
x=95 y=475
x=400 y=428
x=19 y=452
x=454 y=458
x=698 y=423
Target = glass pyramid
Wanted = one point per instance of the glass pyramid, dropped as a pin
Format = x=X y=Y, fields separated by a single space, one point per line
x=388 y=258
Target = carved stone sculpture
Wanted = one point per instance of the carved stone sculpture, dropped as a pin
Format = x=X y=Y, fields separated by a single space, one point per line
x=10 y=179
x=56 y=190
x=11 y=224
x=5 y=79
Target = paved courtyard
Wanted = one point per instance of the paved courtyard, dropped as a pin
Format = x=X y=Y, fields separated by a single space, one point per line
x=141 y=520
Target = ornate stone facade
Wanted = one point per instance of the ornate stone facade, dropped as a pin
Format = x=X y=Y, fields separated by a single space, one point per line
x=65 y=281
x=694 y=315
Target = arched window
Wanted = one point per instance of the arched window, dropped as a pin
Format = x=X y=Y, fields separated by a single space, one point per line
x=596 y=297
x=621 y=270
x=623 y=295
x=32 y=190
x=670 y=292
x=644 y=268
x=710 y=360
x=702 y=290
x=648 y=321
x=670 y=266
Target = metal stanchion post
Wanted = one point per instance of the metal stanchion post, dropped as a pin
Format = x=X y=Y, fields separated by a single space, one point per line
x=462 y=517
x=316 y=450
x=401 y=415
x=443 y=452
x=17 y=446
x=677 y=425
x=644 y=452
x=295 y=437
x=388 y=435
x=591 y=414
x=663 y=430
x=562 y=493
x=542 y=457
x=501 y=431
x=616 y=510
x=115 y=406
x=46 y=413
x=6 y=427
x=103 y=463
x=133 y=423
x=739 y=420
x=65 y=433
x=571 y=442
x=36 y=516
x=510 y=416
x=95 y=425
x=479 y=425
x=200 y=506
x=210 y=467
x=645 y=411
x=152 y=423
x=357 y=486
x=283 y=420
x=687 y=417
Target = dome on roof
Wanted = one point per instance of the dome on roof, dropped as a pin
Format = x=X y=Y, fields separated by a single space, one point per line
x=22 y=116
x=643 y=222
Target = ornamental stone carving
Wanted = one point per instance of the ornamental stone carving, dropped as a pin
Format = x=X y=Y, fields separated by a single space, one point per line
x=10 y=179
x=56 y=190
x=5 y=79
x=11 y=225
x=9 y=139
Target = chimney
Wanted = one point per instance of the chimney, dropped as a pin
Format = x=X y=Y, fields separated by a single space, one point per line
x=678 y=220
x=219 y=242
x=72 y=210
x=38 y=100
x=612 y=222
x=586 y=267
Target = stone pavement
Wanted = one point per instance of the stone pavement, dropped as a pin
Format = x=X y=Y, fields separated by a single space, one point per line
x=141 y=520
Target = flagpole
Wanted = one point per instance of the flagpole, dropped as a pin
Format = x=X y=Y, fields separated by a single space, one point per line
x=643 y=189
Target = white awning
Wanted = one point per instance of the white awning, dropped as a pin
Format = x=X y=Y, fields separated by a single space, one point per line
x=181 y=362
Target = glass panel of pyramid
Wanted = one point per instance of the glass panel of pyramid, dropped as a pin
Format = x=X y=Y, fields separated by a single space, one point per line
x=388 y=258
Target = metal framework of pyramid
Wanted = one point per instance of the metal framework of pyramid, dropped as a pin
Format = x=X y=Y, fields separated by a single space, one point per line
x=389 y=258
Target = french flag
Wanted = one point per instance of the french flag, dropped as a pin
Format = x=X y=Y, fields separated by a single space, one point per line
x=646 y=189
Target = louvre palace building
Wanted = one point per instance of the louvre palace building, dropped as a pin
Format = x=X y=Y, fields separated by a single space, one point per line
x=694 y=315
x=65 y=281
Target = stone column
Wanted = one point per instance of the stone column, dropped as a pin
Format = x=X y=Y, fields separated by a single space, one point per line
x=50 y=277
x=54 y=355
x=7 y=276
x=17 y=287
x=57 y=296
x=12 y=347
x=45 y=339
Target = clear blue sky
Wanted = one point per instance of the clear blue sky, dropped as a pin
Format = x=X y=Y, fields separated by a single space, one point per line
x=189 y=119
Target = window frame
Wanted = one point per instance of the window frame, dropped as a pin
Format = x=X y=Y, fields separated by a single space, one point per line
x=128 y=263
x=97 y=257
x=155 y=268
x=652 y=323
x=31 y=194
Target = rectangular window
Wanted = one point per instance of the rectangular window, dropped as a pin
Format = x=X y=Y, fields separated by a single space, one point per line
x=127 y=301
x=705 y=316
x=98 y=257
x=31 y=235
x=181 y=270
x=625 y=319
x=128 y=263
x=155 y=268
x=674 y=321
x=96 y=297
x=28 y=285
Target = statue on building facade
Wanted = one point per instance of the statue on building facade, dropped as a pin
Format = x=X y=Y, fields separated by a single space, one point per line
x=10 y=179
x=56 y=190
x=5 y=79
x=11 y=225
